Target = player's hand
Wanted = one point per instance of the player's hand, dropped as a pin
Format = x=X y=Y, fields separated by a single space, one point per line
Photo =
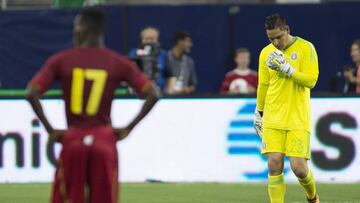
x=56 y=135
x=121 y=133
x=258 y=122
x=276 y=61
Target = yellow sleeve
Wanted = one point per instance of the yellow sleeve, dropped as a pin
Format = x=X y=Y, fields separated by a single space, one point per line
x=263 y=75
x=308 y=74
x=263 y=80
x=260 y=98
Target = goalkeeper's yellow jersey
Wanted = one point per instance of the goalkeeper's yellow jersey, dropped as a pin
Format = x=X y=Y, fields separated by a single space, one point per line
x=287 y=100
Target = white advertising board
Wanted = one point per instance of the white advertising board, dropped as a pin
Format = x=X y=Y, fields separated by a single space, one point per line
x=185 y=140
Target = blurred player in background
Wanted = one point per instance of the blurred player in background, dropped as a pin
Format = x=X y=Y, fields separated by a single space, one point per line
x=87 y=169
x=241 y=80
x=352 y=76
x=288 y=69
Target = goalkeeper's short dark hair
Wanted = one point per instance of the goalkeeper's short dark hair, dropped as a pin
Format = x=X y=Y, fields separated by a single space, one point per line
x=94 y=19
x=275 y=21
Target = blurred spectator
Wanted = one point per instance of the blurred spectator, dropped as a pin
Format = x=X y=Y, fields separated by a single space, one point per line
x=181 y=65
x=241 y=80
x=150 y=57
x=352 y=76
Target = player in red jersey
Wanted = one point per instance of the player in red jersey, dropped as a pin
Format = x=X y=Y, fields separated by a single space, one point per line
x=242 y=79
x=87 y=169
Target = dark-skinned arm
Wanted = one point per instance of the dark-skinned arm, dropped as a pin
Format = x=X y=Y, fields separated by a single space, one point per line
x=153 y=94
x=33 y=96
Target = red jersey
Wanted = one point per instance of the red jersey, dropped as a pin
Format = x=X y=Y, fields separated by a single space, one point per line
x=89 y=77
x=238 y=80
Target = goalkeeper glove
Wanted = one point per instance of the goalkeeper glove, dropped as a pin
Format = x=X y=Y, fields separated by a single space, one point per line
x=258 y=122
x=276 y=61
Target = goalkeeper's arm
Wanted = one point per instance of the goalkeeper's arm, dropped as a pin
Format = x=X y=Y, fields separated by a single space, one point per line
x=304 y=79
x=276 y=61
x=260 y=102
x=261 y=94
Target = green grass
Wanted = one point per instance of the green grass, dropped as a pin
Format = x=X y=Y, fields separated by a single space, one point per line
x=190 y=193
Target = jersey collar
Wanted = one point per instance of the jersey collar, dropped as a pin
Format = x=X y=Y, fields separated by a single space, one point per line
x=288 y=46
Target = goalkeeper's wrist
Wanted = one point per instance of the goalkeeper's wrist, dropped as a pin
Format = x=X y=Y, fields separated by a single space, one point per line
x=260 y=112
x=287 y=69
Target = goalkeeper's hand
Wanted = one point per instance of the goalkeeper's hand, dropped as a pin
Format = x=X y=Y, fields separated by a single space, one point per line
x=276 y=61
x=258 y=122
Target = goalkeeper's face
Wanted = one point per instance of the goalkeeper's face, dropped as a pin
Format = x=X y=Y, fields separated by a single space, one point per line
x=278 y=37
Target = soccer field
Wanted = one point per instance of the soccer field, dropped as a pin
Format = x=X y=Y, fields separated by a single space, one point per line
x=190 y=193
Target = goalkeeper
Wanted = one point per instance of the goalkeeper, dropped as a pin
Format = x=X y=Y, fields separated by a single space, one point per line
x=288 y=69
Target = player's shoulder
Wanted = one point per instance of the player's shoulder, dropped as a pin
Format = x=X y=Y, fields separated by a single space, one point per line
x=304 y=43
x=60 y=56
x=230 y=73
x=267 y=49
x=253 y=73
x=302 y=40
x=63 y=53
x=117 y=56
x=236 y=72
x=189 y=60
